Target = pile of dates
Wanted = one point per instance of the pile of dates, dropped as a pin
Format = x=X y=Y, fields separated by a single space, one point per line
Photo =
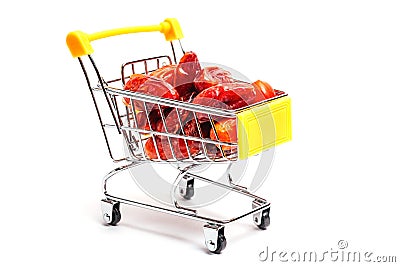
x=187 y=81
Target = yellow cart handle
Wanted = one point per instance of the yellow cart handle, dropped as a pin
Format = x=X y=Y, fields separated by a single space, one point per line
x=79 y=42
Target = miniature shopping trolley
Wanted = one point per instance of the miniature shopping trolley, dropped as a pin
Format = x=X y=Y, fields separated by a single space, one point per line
x=259 y=127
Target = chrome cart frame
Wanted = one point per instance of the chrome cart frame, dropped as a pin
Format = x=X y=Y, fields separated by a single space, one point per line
x=124 y=122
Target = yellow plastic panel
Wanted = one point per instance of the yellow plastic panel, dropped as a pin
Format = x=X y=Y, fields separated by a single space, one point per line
x=264 y=126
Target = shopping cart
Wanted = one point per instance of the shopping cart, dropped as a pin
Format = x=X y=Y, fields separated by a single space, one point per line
x=259 y=127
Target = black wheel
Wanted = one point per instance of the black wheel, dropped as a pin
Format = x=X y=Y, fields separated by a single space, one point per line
x=221 y=244
x=189 y=193
x=116 y=215
x=265 y=220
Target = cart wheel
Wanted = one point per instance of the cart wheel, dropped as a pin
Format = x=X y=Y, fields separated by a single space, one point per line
x=116 y=216
x=189 y=193
x=221 y=244
x=264 y=220
x=186 y=188
x=215 y=238
x=111 y=213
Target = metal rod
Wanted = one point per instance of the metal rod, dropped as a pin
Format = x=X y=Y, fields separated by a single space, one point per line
x=117 y=170
x=180 y=44
x=237 y=189
x=103 y=87
x=216 y=135
x=147 y=59
x=151 y=129
x=96 y=107
x=173 y=52
x=183 y=133
x=201 y=135
x=173 y=103
x=166 y=134
x=166 y=130
x=137 y=125
x=180 y=213
x=145 y=67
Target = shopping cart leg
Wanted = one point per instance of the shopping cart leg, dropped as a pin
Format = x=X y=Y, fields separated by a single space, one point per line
x=186 y=187
x=110 y=210
x=214 y=238
x=109 y=207
x=261 y=218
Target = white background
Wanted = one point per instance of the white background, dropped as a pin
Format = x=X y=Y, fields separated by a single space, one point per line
x=337 y=179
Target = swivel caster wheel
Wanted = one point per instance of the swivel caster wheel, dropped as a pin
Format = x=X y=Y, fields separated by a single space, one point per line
x=261 y=218
x=264 y=220
x=215 y=238
x=110 y=211
x=186 y=188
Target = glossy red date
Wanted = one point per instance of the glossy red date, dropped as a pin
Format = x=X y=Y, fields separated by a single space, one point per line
x=211 y=76
x=150 y=86
x=166 y=73
x=225 y=131
x=266 y=90
x=186 y=71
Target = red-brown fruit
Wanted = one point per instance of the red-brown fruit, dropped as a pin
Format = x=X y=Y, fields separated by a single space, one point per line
x=266 y=89
x=185 y=73
x=210 y=76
